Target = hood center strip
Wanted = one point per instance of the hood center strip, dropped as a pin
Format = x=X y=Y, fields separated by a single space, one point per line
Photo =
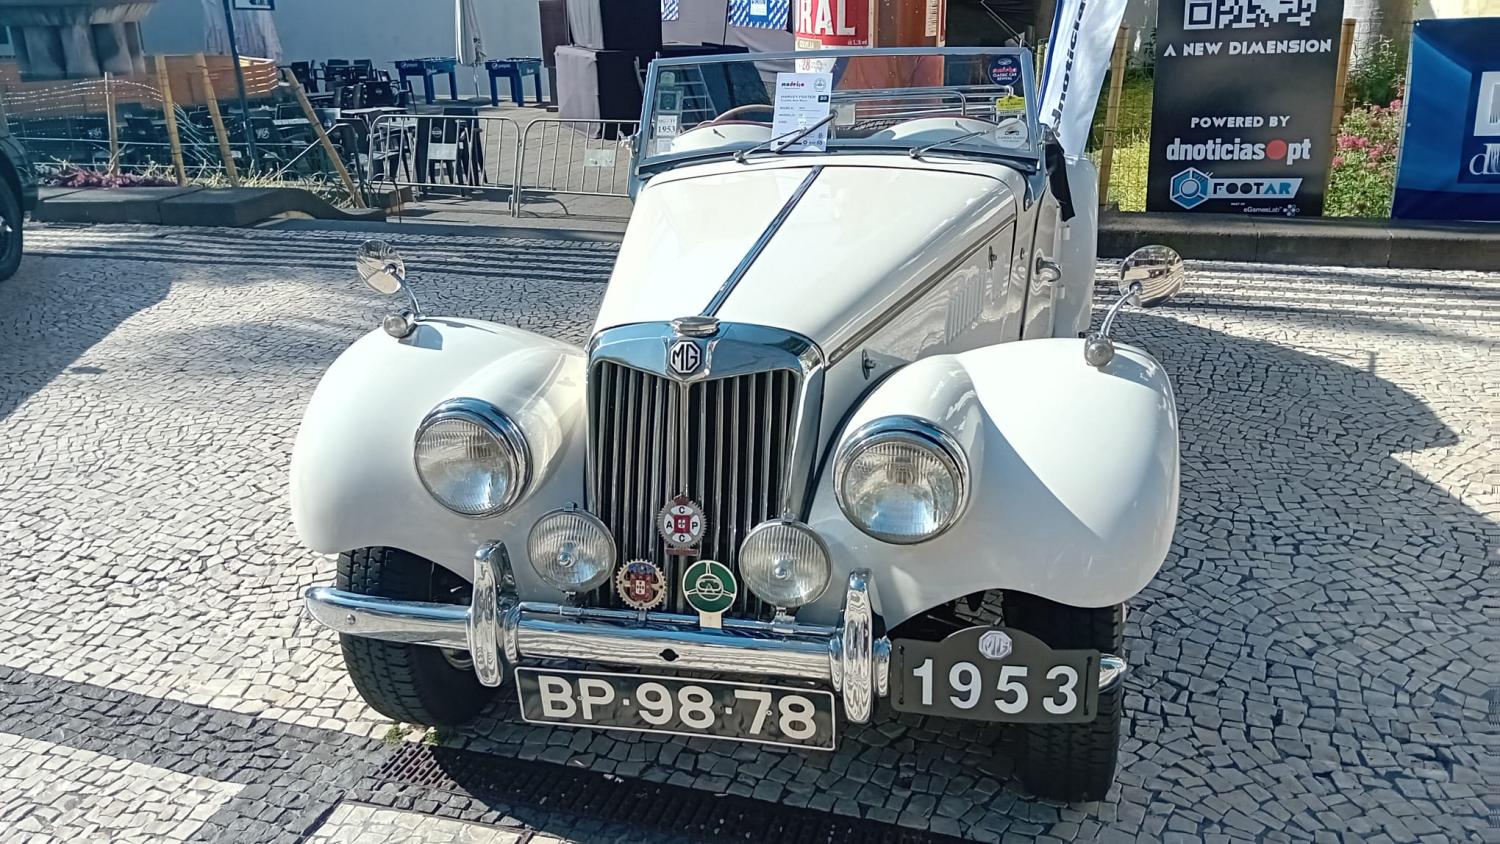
x=712 y=309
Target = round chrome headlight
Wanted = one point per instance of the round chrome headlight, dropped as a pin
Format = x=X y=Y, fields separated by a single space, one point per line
x=784 y=563
x=571 y=550
x=472 y=458
x=901 y=479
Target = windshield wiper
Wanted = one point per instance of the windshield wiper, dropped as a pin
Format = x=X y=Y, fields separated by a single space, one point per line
x=795 y=136
x=918 y=152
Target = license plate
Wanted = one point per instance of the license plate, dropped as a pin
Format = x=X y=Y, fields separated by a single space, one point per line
x=680 y=706
x=994 y=674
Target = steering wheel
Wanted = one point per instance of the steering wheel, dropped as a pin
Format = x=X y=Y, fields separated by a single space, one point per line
x=731 y=115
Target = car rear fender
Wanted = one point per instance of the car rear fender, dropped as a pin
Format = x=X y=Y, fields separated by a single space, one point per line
x=1073 y=478
x=353 y=480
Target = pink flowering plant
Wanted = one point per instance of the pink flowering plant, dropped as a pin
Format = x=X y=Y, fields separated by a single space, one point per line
x=1364 y=162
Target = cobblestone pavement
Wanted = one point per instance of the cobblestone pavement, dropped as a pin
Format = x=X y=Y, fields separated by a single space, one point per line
x=1313 y=662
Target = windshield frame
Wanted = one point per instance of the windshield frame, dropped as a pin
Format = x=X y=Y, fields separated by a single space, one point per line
x=645 y=166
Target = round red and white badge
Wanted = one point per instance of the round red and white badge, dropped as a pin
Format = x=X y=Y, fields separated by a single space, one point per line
x=641 y=585
x=682 y=523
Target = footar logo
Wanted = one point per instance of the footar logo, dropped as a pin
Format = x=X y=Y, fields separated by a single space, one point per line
x=1190 y=188
x=1193 y=187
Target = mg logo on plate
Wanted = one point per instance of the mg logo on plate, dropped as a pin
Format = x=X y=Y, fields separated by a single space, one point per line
x=995 y=645
x=685 y=358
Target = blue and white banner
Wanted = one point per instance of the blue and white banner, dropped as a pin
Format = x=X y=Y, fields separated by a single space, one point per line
x=760 y=14
x=670 y=11
x=1450 y=153
x=1083 y=36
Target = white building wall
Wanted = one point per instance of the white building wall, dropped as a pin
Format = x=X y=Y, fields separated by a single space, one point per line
x=380 y=30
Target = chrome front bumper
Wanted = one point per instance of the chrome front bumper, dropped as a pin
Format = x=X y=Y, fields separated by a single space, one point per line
x=848 y=656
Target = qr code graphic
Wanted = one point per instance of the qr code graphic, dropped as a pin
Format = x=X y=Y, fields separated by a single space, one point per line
x=1246 y=14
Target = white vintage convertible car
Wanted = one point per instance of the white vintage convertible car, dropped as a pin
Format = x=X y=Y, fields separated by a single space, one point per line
x=840 y=443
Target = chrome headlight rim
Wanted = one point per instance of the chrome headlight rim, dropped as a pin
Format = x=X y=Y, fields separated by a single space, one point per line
x=498 y=425
x=913 y=430
x=787 y=521
x=594 y=522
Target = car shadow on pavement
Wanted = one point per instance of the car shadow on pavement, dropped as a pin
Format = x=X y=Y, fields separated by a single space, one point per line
x=1306 y=656
x=54 y=310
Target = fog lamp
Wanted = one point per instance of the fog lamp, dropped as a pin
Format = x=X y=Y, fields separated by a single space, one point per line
x=571 y=550
x=785 y=563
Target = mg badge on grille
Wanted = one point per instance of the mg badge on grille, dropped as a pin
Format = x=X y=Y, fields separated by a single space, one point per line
x=710 y=588
x=682 y=524
x=685 y=357
x=641 y=585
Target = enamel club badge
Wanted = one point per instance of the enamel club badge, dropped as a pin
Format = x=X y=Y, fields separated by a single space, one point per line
x=682 y=524
x=641 y=585
x=710 y=588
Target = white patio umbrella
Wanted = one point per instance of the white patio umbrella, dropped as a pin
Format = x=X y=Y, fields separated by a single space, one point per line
x=468 y=45
x=254 y=30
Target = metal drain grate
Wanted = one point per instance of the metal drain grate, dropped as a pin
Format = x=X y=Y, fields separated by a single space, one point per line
x=608 y=799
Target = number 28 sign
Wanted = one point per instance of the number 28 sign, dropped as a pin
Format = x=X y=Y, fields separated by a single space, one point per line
x=833 y=23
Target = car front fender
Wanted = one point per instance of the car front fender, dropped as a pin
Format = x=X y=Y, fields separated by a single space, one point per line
x=353 y=479
x=1073 y=478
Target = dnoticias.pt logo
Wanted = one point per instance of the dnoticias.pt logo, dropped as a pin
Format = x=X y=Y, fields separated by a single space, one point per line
x=1193 y=187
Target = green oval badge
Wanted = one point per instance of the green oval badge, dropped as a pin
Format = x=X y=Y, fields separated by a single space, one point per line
x=709 y=587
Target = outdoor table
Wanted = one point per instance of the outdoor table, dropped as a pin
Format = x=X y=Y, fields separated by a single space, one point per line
x=427 y=68
x=517 y=69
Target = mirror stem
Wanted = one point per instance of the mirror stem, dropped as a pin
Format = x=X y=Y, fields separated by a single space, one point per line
x=1130 y=296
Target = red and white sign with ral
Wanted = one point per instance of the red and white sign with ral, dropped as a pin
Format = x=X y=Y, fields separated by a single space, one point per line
x=832 y=23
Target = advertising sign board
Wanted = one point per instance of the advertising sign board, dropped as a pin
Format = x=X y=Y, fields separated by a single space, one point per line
x=1243 y=103
x=821 y=24
x=1450 y=150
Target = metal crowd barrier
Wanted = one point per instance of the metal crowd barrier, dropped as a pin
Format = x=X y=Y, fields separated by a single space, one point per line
x=466 y=153
x=576 y=157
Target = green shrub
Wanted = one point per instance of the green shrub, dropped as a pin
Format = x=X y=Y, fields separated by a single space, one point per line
x=1363 y=175
x=1377 y=77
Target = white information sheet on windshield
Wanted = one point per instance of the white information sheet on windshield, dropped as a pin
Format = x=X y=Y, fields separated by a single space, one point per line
x=802 y=99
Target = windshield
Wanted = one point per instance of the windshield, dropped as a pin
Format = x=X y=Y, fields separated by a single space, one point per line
x=920 y=102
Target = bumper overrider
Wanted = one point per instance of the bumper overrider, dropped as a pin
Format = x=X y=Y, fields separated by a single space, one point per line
x=848 y=656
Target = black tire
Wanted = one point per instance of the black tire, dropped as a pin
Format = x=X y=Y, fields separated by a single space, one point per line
x=1070 y=762
x=414 y=684
x=11 y=239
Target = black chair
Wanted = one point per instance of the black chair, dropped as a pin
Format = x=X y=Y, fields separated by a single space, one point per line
x=374 y=94
x=306 y=76
x=470 y=144
x=349 y=96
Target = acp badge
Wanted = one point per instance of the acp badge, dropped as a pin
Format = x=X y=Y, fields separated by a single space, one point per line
x=710 y=588
x=641 y=585
x=681 y=523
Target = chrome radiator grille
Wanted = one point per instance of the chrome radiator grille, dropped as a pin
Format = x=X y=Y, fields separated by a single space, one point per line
x=722 y=442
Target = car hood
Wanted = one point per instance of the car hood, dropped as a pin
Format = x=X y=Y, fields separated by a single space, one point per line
x=851 y=246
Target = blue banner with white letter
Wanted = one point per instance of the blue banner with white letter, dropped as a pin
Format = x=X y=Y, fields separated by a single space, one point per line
x=1450 y=153
x=763 y=14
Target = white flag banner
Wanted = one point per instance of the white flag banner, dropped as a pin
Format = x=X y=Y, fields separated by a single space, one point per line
x=1083 y=36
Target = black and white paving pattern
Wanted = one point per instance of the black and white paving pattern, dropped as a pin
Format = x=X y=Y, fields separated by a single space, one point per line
x=1316 y=660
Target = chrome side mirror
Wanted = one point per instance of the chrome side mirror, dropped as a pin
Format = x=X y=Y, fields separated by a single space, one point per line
x=381 y=267
x=1149 y=277
x=1153 y=274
